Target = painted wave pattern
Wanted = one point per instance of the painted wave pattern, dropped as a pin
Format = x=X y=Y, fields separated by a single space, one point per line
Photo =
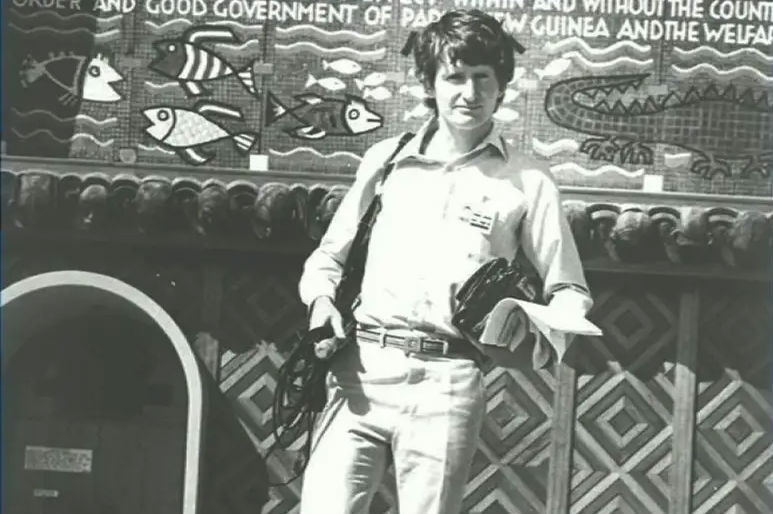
x=74 y=138
x=601 y=170
x=60 y=19
x=107 y=36
x=315 y=153
x=80 y=117
x=171 y=25
x=710 y=55
x=237 y=47
x=721 y=75
x=629 y=63
x=157 y=88
x=555 y=147
x=339 y=51
x=575 y=42
x=112 y=34
x=330 y=36
x=154 y=149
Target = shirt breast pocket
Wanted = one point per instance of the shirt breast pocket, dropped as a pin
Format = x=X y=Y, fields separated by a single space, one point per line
x=473 y=224
x=485 y=223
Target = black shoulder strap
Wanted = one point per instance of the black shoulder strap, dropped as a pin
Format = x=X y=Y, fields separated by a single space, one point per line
x=354 y=267
x=388 y=164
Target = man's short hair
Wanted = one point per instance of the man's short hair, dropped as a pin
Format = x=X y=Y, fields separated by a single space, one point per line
x=469 y=36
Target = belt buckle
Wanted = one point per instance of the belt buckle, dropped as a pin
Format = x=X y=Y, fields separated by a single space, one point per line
x=444 y=343
x=382 y=337
x=414 y=343
x=446 y=346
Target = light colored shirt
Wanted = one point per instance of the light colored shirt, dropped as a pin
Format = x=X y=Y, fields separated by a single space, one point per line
x=440 y=221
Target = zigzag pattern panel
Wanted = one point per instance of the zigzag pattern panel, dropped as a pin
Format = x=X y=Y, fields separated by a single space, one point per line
x=622 y=452
x=733 y=469
x=509 y=471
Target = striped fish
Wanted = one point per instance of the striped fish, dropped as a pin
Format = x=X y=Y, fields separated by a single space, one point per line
x=186 y=60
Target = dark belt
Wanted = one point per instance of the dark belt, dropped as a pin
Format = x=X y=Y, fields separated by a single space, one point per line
x=419 y=344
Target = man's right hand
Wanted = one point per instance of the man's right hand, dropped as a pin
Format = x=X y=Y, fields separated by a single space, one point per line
x=323 y=313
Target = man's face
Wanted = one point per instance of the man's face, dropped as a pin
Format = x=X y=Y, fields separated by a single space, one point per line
x=466 y=95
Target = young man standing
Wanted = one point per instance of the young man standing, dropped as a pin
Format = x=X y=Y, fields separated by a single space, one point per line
x=458 y=195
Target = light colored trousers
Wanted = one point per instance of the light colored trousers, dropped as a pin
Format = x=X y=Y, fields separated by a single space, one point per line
x=427 y=411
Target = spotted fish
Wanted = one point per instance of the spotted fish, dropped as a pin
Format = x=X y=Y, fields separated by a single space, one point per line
x=185 y=131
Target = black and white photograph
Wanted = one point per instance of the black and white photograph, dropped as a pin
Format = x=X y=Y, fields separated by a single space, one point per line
x=386 y=257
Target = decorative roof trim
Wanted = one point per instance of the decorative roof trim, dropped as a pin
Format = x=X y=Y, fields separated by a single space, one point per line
x=20 y=164
x=624 y=226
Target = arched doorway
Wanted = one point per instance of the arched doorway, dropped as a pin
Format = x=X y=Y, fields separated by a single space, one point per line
x=102 y=400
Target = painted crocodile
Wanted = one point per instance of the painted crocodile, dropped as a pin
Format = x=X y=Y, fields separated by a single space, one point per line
x=719 y=125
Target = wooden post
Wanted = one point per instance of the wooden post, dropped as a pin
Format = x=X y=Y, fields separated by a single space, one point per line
x=684 y=404
x=560 y=467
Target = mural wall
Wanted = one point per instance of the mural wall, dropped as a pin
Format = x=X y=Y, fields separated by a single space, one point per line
x=612 y=93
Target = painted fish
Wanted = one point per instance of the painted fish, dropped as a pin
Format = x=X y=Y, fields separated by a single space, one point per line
x=377 y=93
x=329 y=83
x=344 y=66
x=510 y=96
x=320 y=117
x=416 y=90
x=554 y=68
x=185 y=131
x=190 y=63
x=77 y=75
x=506 y=114
x=420 y=111
x=374 y=79
x=396 y=76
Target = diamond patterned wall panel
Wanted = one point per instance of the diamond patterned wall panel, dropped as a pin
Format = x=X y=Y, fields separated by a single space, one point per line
x=622 y=451
x=734 y=433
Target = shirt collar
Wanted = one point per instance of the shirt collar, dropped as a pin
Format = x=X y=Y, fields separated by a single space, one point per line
x=412 y=149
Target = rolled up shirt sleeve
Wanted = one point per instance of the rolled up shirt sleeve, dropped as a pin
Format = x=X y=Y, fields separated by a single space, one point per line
x=322 y=270
x=549 y=244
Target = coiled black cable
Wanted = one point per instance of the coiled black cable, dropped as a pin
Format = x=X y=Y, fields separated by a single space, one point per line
x=299 y=396
x=300 y=391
